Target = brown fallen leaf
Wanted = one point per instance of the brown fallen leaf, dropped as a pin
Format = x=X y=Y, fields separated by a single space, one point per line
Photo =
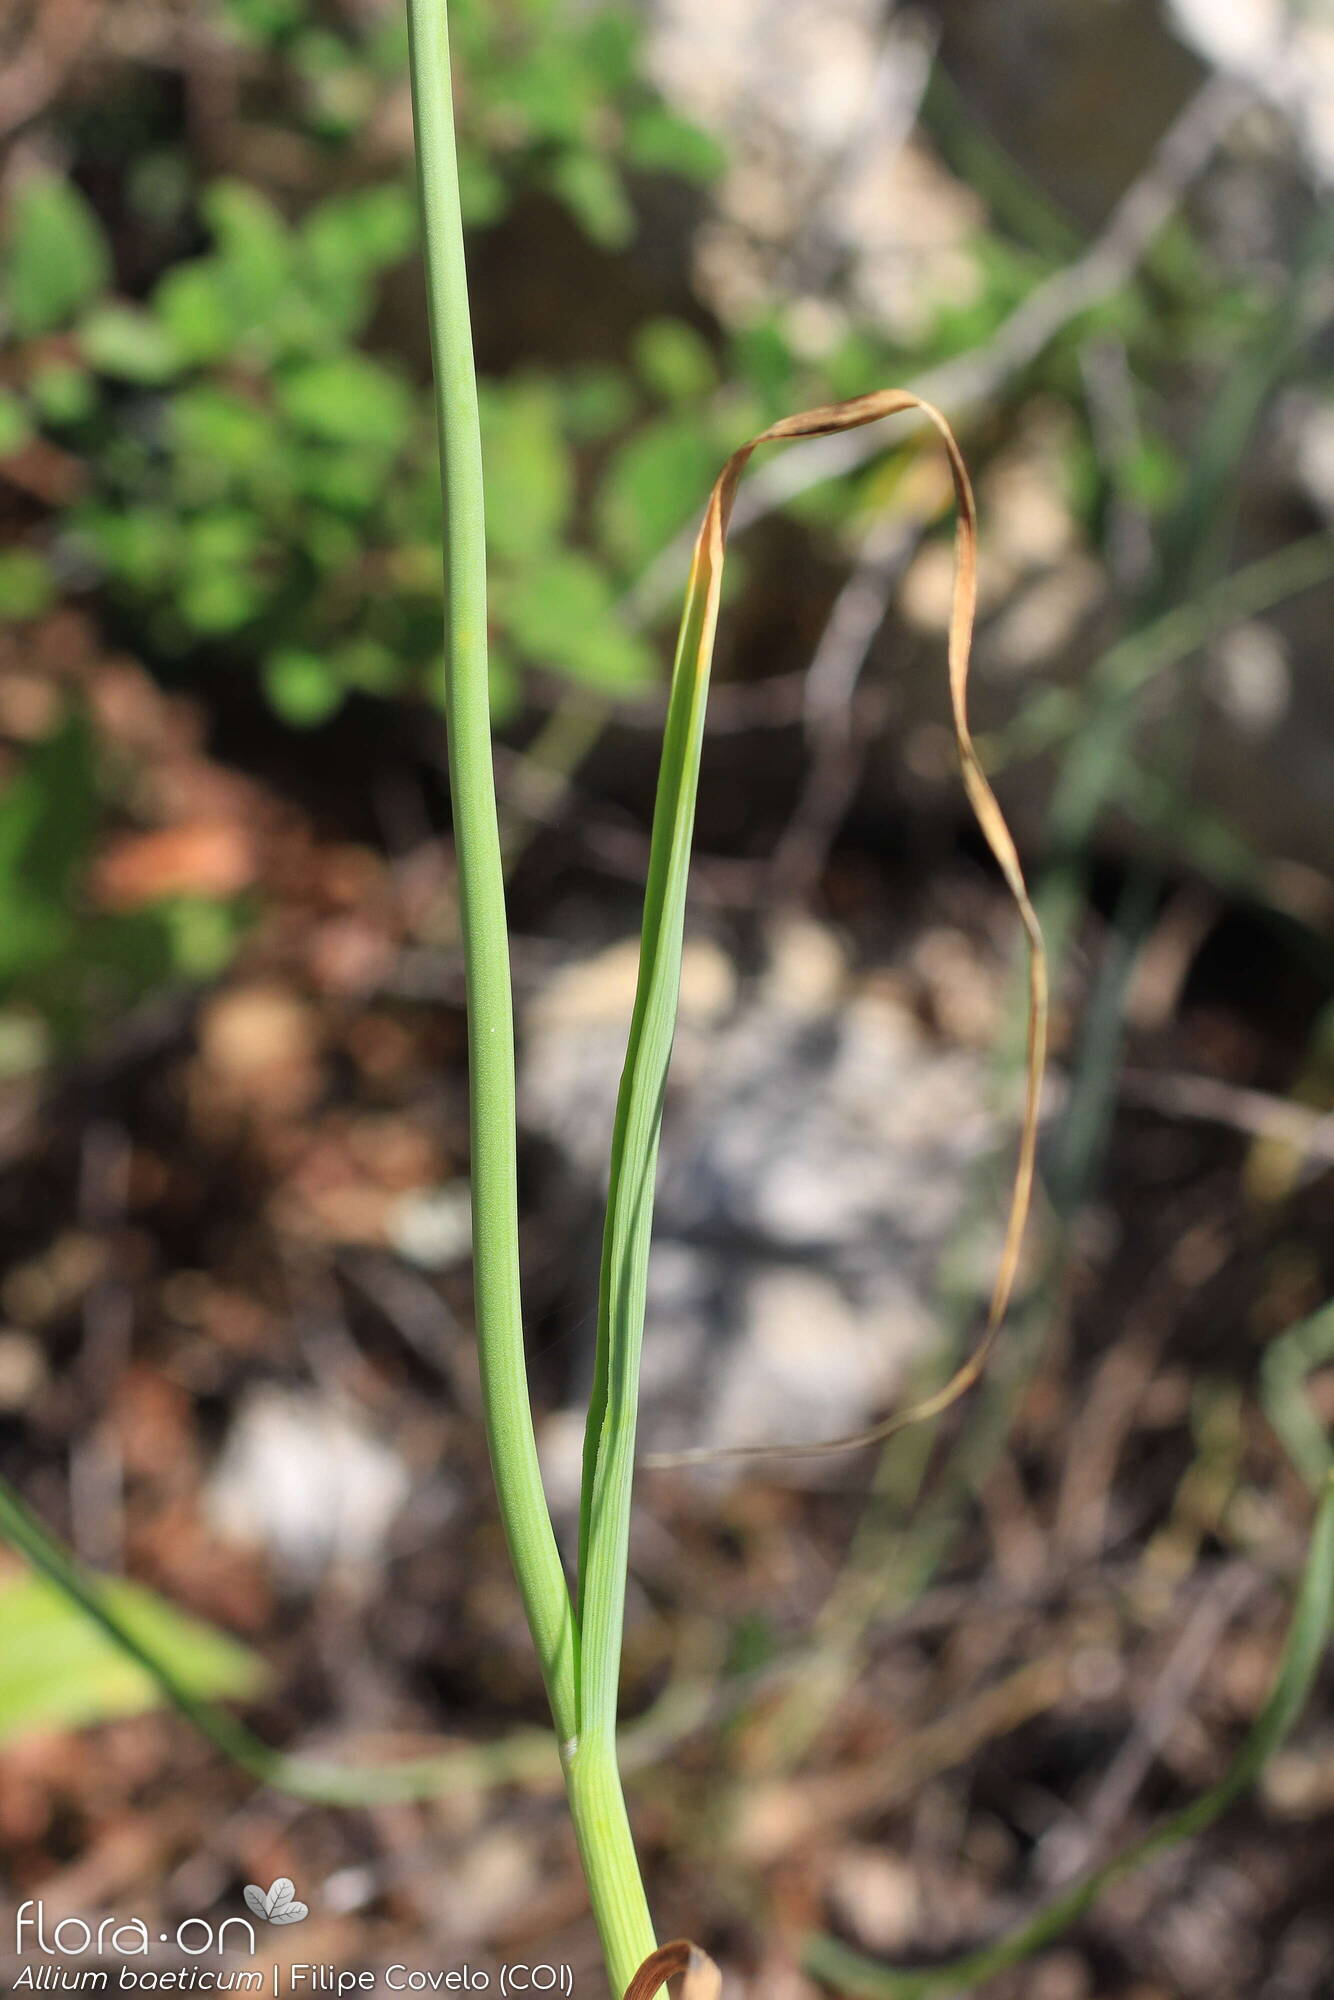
x=199 y=858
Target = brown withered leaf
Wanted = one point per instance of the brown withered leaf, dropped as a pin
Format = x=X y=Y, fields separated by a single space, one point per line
x=700 y=1976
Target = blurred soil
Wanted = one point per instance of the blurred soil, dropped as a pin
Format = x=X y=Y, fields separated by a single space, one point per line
x=236 y=1266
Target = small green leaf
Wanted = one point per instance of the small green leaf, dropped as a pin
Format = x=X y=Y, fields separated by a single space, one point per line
x=221 y=589
x=15 y=423
x=363 y=232
x=764 y=358
x=595 y=401
x=592 y=191
x=193 y=303
x=347 y=399
x=367 y=664
x=48 y=812
x=137 y=545
x=223 y=535
x=483 y=195
x=58 y=258
x=347 y=479
x=330 y=542
x=347 y=241
x=653 y=485
x=58 y=1670
x=303 y=688
x=530 y=481
x=609 y=42
x=202 y=934
x=1153 y=474
x=219 y=600
x=263 y=21
x=549 y=90
x=254 y=247
x=340 y=89
x=675 y=361
x=227 y=430
x=857 y=359
x=26 y=585
x=63 y=393
x=561 y=615
x=129 y=345
x=657 y=141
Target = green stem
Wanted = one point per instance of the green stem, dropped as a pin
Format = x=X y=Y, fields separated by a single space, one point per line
x=516 y=1761
x=607 y=1851
x=596 y=1803
x=528 y=1757
x=509 y=1421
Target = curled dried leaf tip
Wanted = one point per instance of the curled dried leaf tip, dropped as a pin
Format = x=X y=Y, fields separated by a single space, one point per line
x=695 y=655
x=700 y=1977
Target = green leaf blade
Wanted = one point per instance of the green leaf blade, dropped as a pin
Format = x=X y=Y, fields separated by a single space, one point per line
x=59 y=1670
x=58 y=259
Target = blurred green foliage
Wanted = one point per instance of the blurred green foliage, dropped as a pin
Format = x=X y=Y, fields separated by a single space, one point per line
x=58 y=1670
x=230 y=366
x=256 y=487
x=260 y=487
x=65 y=964
x=260 y=484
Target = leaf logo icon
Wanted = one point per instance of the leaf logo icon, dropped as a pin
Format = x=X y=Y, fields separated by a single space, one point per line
x=277 y=1904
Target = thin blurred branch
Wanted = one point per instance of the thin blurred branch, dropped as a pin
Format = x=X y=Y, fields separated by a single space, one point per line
x=893 y=103
x=1109 y=390
x=1069 y=1849
x=971 y=378
x=97 y=1498
x=831 y=716
x=1215 y=1102
x=1185 y=149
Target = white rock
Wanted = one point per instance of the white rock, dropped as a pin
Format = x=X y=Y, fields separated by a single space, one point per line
x=816 y=102
x=816 y=1154
x=432 y=1227
x=1282 y=48
x=1250 y=679
x=300 y=1478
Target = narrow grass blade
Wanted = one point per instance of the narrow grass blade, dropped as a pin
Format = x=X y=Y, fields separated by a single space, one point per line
x=1303 y=1650
x=104 y=1610
x=147 y=1644
x=1288 y=1362
x=609 y=1439
x=58 y=1670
